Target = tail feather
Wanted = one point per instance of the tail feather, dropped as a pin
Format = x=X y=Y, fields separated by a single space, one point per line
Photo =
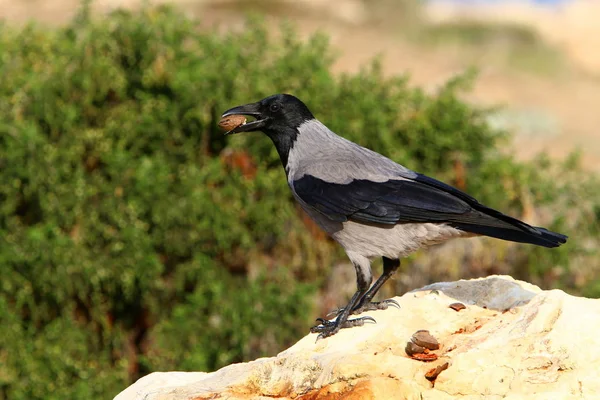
x=537 y=235
x=489 y=222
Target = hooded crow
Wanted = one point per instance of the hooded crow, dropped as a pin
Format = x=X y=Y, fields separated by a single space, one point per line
x=369 y=204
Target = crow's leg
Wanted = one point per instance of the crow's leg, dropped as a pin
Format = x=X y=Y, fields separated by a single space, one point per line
x=364 y=277
x=365 y=304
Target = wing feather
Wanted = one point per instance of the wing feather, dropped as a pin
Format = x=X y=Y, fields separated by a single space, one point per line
x=420 y=200
x=387 y=202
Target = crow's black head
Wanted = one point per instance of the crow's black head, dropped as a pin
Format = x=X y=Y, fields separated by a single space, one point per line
x=276 y=115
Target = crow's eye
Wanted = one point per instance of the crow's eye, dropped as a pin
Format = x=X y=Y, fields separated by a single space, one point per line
x=275 y=107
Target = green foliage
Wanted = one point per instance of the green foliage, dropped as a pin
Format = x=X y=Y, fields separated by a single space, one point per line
x=135 y=237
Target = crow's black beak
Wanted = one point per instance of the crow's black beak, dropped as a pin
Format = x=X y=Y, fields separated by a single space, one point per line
x=247 y=109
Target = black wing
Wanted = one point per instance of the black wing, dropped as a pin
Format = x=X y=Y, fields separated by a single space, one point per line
x=420 y=200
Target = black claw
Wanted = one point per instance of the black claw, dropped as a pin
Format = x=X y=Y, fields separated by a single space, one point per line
x=371 y=306
x=392 y=302
x=324 y=324
x=329 y=328
x=366 y=319
x=357 y=322
x=381 y=305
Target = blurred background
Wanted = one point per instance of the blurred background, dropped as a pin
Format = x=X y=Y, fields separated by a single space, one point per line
x=134 y=237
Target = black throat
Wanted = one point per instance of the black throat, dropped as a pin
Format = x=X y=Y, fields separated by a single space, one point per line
x=283 y=139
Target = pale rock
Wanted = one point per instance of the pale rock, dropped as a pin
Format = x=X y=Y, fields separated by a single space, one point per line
x=513 y=341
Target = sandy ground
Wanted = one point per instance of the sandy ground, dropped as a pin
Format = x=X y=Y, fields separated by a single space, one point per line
x=555 y=112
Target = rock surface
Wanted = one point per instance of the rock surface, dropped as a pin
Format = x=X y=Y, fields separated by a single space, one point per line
x=512 y=341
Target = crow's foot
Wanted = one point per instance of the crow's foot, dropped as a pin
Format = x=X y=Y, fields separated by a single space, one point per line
x=371 y=306
x=329 y=328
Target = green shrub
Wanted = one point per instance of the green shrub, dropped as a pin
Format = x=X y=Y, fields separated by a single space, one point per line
x=131 y=240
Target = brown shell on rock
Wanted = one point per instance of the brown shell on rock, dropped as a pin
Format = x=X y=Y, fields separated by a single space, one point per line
x=433 y=373
x=411 y=349
x=425 y=357
x=457 y=306
x=424 y=339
